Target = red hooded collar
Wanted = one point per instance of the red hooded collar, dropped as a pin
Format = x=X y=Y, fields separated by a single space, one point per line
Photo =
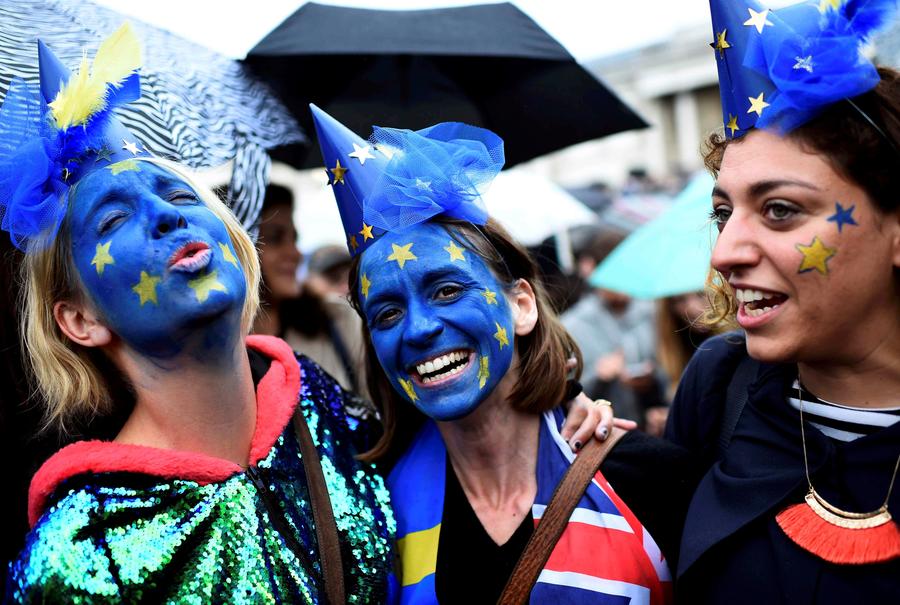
x=276 y=397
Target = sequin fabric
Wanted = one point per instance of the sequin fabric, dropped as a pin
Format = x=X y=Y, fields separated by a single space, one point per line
x=126 y=537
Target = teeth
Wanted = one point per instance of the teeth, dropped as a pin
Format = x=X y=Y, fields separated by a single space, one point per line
x=440 y=362
x=443 y=375
x=746 y=295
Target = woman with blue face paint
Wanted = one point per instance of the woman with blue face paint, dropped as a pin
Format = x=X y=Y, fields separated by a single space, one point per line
x=468 y=366
x=231 y=475
x=798 y=419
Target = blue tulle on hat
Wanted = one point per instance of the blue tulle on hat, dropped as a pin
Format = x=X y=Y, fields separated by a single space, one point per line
x=40 y=159
x=796 y=60
x=440 y=170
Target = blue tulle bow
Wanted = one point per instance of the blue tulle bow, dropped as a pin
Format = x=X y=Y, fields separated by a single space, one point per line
x=443 y=169
x=814 y=59
x=38 y=162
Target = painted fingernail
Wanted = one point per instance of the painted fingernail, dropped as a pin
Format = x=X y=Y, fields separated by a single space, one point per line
x=604 y=432
x=577 y=445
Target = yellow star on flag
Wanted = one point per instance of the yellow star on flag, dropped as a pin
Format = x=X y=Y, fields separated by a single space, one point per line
x=490 y=296
x=146 y=288
x=758 y=20
x=483 y=372
x=824 y=5
x=757 y=105
x=351 y=241
x=124 y=166
x=500 y=335
x=721 y=43
x=732 y=124
x=408 y=389
x=456 y=253
x=366 y=232
x=365 y=285
x=102 y=257
x=815 y=256
x=401 y=254
x=204 y=284
x=227 y=255
x=337 y=173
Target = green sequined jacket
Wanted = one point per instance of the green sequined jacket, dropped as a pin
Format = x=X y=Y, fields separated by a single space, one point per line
x=118 y=523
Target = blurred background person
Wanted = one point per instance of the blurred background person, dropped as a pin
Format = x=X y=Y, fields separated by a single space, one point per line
x=616 y=336
x=313 y=317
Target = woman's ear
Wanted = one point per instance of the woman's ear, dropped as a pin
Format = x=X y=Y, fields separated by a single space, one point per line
x=81 y=324
x=524 y=307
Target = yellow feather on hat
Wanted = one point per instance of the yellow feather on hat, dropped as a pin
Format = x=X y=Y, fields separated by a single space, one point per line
x=85 y=92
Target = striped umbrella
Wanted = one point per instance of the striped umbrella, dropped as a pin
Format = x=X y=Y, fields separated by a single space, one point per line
x=197 y=107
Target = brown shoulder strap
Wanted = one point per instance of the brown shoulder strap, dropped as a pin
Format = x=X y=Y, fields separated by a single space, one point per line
x=555 y=518
x=326 y=528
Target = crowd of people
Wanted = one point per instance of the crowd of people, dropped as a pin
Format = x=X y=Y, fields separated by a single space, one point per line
x=414 y=422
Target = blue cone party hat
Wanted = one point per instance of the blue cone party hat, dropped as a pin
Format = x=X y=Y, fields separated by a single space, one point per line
x=399 y=178
x=779 y=69
x=55 y=134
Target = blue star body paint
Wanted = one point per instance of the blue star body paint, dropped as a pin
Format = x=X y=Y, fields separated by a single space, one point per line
x=442 y=342
x=154 y=260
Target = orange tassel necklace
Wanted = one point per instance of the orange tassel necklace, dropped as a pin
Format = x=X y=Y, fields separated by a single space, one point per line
x=836 y=535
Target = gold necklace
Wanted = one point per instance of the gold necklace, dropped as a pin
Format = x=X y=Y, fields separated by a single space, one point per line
x=837 y=535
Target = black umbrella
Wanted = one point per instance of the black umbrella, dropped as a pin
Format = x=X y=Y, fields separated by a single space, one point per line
x=488 y=65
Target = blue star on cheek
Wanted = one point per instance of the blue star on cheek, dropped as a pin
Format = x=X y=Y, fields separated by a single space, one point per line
x=843 y=216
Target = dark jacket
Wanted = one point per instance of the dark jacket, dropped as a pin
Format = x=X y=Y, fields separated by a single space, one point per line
x=732 y=550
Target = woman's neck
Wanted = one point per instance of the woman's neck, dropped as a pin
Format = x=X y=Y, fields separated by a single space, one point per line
x=872 y=380
x=191 y=404
x=493 y=451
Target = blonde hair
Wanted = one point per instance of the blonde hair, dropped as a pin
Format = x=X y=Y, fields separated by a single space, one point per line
x=67 y=375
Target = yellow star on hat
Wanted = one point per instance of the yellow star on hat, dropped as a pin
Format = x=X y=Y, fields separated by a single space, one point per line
x=757 y=105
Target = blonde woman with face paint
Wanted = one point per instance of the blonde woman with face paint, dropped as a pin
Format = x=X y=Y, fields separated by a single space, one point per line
x=798 y=419
x=140 y=288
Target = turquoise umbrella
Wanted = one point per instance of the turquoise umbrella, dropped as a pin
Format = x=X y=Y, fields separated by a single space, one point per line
x=667 y=256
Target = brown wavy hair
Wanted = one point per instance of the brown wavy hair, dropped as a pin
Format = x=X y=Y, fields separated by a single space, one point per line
x=542 y=354
x=854 y=147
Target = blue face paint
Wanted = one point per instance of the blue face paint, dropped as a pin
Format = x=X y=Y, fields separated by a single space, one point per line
x=440 y=324
x=155 y=261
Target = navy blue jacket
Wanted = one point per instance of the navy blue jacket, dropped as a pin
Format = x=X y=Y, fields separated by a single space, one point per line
x=732 y=550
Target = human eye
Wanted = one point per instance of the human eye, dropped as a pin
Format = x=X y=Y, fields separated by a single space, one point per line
x=720 y=214
x=386 y=317
x=110 y=220
x=779 y=211
x=448 y=291
x=182 y=197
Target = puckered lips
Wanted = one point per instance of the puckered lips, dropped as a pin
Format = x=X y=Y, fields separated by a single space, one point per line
x=191 y=257
x=757 y=306
x=441 y=368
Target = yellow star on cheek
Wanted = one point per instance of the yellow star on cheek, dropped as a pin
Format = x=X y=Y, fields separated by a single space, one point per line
x=500 y=335
x=815 y=256
x=124 y=166
x=408 y=389
x=401 y=254
x=757 y=105
x=456 y=253
x=146 y=288
x=365 y=285
x=483 y=373
x=227 y=255
x=102 y=257
x=205 y=284
x=366 y=232
x=489 y=296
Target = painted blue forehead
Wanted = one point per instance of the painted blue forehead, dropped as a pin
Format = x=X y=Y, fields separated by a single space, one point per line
x=428 y=242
